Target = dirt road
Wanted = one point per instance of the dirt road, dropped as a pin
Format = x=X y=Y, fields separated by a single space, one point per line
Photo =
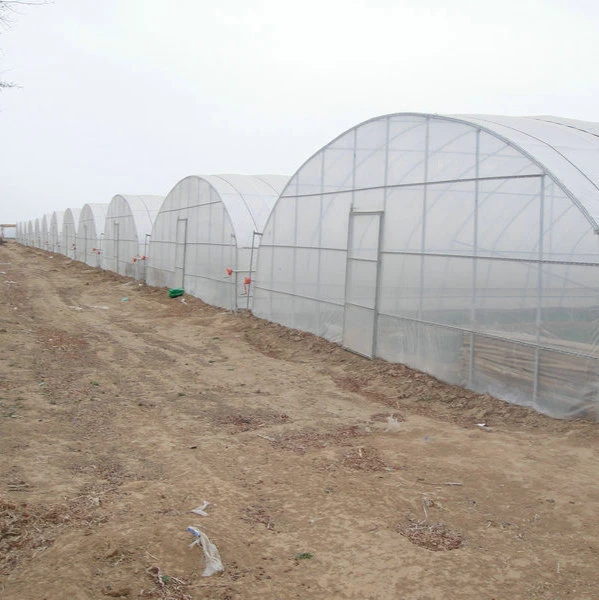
x=328 y=476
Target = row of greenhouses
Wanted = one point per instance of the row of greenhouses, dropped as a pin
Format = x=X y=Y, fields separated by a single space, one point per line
x=463 y=246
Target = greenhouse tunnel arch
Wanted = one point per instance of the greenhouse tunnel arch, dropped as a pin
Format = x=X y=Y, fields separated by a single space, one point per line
x=128 y=224
x=90 y=233
x=45 y=231
x=479 y=238
x=55 y=232
x=70 y=225
x=204 y=235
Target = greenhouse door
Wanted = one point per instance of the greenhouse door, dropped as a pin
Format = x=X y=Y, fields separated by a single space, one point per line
x=361 y=282
x=180 y=253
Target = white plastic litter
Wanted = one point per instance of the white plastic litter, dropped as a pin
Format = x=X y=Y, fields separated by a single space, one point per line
x=201 y=510
x=213 y=561
x=392 y=424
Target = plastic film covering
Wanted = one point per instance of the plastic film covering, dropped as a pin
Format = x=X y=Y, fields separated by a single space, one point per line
x=464 y=247
x=55 y=232
x=128 y=226
x=566 y=148
x=206 y=226
x=45 y=232
x=90 y=233
x=68 y=237
x=37 y=233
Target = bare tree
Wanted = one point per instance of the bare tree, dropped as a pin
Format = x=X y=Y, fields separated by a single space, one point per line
x=8 y=10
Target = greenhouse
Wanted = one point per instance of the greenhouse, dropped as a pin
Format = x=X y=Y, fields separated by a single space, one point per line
x=90 y=233
x=462 y=246
x=68 y=237
x=45 y=232
x=20 y=232
x=36 y=241
x=206 y=232
x=28 y=232
x=128 y=225
x=55 y=232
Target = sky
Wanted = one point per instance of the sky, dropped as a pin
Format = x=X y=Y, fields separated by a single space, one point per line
x=131 y=96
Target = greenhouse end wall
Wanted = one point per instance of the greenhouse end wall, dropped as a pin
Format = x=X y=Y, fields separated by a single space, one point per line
x=128 y=225
x=206 y=229
x=55 y=232
x=90 y=233
x=37 y=233
x=440 y=244
x=193 y=243
x=70 y=224
x=45 y=232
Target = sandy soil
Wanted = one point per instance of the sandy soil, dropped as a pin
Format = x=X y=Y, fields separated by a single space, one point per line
x=328 y=476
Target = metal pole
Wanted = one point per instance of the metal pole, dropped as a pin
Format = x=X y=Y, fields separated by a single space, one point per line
x=254 y=234
x=116 y=245
x=381 y=241
x=423 y=237
x=539 y=317
x=145 y=260
x=350 y=233
x=100 y=255
x=319 y=256
x=377 y=283
x=473 y=298
x=294 y=266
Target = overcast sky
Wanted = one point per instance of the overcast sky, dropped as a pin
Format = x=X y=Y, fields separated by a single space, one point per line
x=130 y=96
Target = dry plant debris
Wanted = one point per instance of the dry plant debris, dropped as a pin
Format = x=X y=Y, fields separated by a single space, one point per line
x=436 y=536
x=243 y=422
x=364 y=459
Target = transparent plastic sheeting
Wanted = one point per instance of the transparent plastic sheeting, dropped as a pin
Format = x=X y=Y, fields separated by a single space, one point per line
x=45 y=232
x=37 y=233
x=206 y=225
x=68 y=236
x=465 y=247
x=90 y=233
x=26 y=233
x=55 y=232
x=128 y=225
